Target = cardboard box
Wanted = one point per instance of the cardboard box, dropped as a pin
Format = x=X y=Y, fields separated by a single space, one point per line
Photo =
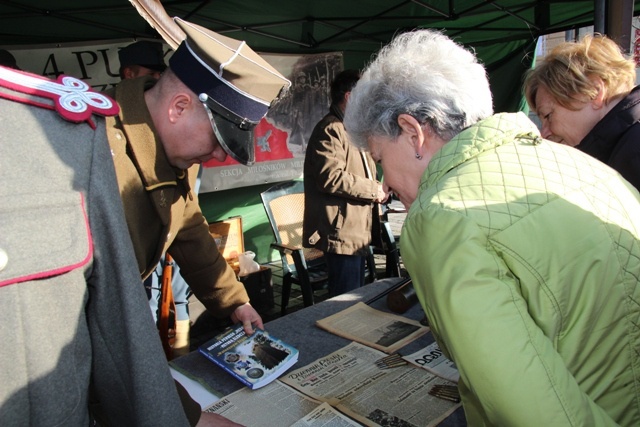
x=230 y=240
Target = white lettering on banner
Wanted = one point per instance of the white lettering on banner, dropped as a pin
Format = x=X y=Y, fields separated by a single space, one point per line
x=96 y=63
x=230 y=172
x=268 y=167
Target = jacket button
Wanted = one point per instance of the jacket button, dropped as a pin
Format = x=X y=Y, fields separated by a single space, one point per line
x=4 y=259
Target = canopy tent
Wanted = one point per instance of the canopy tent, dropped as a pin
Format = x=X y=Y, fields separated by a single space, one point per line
x=502 y=32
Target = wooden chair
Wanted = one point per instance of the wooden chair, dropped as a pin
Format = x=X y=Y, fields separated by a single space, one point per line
x=284 y=205
x=304 y=267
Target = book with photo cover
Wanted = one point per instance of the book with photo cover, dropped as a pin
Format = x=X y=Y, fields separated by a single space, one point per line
x=255 y=360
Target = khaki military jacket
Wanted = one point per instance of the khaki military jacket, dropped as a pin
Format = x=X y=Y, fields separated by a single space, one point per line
x=161 y=207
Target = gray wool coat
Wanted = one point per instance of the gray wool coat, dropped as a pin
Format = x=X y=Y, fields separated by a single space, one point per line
x=76 y=337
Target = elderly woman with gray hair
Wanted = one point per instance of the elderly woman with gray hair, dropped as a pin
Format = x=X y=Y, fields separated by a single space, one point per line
x=525 y=254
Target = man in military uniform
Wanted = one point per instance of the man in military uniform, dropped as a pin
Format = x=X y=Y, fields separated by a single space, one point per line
x=139 y=59
x=204 y=106
x=77 y=344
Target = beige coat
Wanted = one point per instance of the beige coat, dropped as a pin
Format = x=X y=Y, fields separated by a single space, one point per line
x=340 y=215
x=162 y=209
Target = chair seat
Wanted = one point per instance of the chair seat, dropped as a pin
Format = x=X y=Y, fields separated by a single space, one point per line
x=318 y=278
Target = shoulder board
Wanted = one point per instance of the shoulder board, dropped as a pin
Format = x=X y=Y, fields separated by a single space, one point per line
x=72 y=98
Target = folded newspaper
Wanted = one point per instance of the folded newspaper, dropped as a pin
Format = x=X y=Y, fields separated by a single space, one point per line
x=433 y=360
x=350 y=381
x=374 y=328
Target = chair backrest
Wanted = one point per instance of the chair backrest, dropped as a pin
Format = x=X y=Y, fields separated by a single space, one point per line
x=284 y=205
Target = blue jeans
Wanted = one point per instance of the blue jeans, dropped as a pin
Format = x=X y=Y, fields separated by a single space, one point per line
x=346 y=272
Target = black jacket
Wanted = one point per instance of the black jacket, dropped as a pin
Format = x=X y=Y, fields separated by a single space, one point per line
x=615 y=140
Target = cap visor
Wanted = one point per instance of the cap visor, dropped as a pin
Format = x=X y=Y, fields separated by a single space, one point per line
x=236 y=142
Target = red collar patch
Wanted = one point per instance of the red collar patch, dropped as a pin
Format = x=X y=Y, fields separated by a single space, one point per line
x=72 y=98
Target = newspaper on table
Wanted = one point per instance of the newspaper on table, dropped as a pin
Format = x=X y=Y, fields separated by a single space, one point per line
x=325 y=415
x=374 y=328
x=277 y=405
x=433 y=360
x=350 y=381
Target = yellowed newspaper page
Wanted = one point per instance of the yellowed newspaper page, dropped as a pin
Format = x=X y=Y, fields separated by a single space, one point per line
x=349 y=380
x=275 y=404
x=374 y=328
x=326 y=416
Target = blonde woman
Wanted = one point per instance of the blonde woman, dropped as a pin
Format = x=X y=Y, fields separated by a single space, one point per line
x=584 y=94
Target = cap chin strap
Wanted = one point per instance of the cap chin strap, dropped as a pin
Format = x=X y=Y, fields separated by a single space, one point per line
x=217 y=133
x=215 y=128
x=211 y=104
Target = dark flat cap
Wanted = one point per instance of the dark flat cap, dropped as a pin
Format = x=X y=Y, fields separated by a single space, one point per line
x=7 y=59
x=145 y=53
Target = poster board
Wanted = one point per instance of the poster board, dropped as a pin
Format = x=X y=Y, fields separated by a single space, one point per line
x=281 y=137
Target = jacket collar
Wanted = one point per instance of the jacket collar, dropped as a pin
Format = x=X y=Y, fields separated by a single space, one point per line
x=601 y=141
x=146 y=147
x=485 y=135
x=336 y=111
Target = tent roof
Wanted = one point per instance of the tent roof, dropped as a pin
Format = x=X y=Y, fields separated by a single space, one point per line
x=501 y=31
x=294 y=25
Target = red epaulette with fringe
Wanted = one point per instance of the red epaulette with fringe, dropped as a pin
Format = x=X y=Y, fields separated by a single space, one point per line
x=72 y=98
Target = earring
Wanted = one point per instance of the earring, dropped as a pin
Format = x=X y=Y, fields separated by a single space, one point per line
x=418 y=156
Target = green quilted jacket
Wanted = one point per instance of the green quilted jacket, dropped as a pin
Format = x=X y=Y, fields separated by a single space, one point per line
x=525 y=255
